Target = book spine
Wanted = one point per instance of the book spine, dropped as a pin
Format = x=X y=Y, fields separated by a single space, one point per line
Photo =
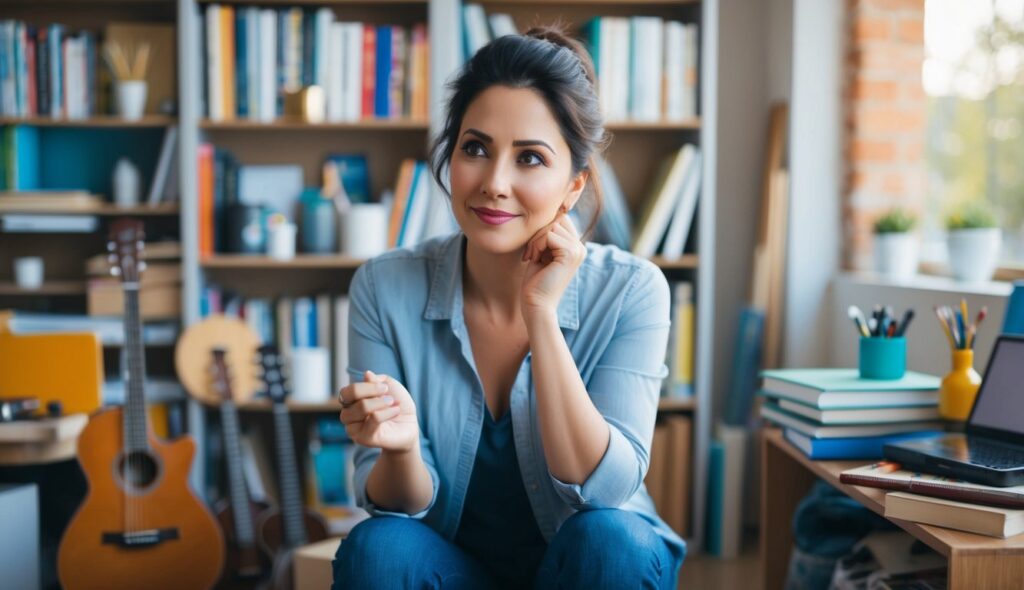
x=937 y=490
x=242 y=63
x=383 y=73
x=369 y=69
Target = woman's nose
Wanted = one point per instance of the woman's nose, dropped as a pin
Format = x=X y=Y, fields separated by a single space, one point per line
x=497 y=181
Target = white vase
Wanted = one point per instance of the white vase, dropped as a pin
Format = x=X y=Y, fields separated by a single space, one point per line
x=896 y=255
x=131 y=99
x=973 y=253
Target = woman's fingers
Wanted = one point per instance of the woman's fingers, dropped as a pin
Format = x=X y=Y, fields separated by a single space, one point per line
x=356 y=391
x=359 y=410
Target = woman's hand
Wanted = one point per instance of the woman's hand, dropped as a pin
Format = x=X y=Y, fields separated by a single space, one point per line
x=555 y=253
x=380 y=413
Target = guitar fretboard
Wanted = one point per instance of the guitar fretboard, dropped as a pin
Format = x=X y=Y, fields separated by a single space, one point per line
x=291 y=493
x=135 y=438
x=239 y=495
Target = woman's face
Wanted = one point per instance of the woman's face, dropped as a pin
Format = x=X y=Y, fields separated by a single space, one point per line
x=510 y=160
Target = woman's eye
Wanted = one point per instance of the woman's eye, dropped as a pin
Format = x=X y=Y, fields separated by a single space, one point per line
x=531 y=159
x=473 y=148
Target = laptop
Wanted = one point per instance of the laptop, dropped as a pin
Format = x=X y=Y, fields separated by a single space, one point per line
x=991 y=449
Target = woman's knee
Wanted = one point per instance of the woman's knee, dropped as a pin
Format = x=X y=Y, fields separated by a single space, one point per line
x=609 y=530
x=361 y=558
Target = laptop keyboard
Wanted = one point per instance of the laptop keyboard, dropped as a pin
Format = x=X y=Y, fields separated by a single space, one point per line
x=994 y=455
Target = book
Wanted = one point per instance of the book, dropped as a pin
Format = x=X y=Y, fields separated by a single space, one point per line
x=662 y=200
x=864 y=447
x=28 y=223
x=725 y=491
x=654 y=479
x=677 y=488
x=860 y=415
x=889 y=476
x=157 y=188
x=772 y=412
x=682 y=218
x=843 y=388
x=973 y=518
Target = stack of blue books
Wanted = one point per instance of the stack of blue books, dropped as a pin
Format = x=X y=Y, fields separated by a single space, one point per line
x=834 y=414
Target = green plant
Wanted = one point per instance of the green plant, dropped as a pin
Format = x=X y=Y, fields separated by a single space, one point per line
x=895 y=221
x=975 y=214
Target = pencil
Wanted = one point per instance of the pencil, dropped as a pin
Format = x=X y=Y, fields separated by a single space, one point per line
x=964 y=320
x=945 y=327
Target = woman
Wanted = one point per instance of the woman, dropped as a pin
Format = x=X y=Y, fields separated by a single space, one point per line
x=509 y=372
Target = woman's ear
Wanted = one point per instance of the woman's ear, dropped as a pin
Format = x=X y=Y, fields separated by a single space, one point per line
x=576 y=187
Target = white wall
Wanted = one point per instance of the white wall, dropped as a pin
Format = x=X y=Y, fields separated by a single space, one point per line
x=815 y=156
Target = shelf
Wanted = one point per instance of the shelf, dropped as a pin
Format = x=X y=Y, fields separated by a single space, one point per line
x=300 y=262
x=684 y=125
x=104 y=210
x=48 y=288
x=263 y=405
x=92 y=122
x=315 y=262
x=297 y=125
x=587 y=2
x=315 y=2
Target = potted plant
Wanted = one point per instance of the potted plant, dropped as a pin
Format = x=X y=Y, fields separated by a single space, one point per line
x=974 y=240
x=895 y=245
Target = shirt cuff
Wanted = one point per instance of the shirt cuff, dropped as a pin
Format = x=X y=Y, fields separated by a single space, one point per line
x=609 y=486
x=363 y=501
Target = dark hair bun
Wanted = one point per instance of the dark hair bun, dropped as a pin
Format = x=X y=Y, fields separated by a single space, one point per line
x=556 y=34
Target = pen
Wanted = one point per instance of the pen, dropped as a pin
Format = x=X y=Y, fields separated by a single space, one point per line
x=907 y=316
x=857 y=316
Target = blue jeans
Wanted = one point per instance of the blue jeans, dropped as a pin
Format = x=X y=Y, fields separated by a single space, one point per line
x=593 y=549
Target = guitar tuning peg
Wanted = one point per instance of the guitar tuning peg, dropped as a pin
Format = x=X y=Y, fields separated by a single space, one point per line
x=111 y=246
x=116 y=271
x=142 y=266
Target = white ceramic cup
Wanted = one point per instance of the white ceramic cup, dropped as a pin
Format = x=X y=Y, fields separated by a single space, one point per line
x=281 y=241
x=310 y=375
x=365 y=230
x=126 y=183
x=131 y=99
x=28 y=272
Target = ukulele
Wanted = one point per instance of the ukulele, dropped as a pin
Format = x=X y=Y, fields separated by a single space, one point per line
x=245 y=564
x=282 y=531
x=140 y=525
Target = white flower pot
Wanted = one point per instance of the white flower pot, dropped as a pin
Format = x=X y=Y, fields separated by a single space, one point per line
x=973 y=253
x=896 y=255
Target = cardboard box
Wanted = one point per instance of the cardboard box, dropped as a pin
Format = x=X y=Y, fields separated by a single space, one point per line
x=312 y=564
x=160 y=301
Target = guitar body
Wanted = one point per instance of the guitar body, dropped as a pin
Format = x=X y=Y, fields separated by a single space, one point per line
x=271 y=527
x=244 y=565
x=190 y=555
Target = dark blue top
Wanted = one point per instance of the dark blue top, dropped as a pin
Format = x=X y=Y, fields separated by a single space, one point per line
x=497 y=525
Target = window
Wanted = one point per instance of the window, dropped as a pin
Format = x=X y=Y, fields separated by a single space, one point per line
x=973 y=77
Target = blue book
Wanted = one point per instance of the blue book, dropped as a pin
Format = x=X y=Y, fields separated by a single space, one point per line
x=849 y=448
x=716 y=497
x=241 y=64
x=381 y=87
x=354 y=175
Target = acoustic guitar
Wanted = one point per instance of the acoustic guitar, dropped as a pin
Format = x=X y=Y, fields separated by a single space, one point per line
x=282 y=531
x=140 y=525
x=246 y=565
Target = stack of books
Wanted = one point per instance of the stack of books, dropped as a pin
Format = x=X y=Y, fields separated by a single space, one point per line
x=945 y=502
x=834 y=414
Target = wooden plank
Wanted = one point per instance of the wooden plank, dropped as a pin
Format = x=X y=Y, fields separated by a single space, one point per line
x=784 y=482
x=97 y=122
x=48 y=288
x=46 y=430
x=299 y=125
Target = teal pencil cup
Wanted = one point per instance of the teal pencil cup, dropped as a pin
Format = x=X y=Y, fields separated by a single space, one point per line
x=883 y=358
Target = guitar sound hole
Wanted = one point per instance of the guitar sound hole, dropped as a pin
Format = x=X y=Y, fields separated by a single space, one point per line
x=138 y=469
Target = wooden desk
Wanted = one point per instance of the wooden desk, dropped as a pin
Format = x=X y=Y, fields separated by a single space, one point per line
x=46 y=440
x=975 y=561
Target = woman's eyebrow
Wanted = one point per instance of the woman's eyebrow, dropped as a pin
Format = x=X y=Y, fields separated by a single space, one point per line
x=516 y=143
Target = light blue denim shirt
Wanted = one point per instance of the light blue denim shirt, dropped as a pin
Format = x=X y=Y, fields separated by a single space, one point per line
x=406 y=320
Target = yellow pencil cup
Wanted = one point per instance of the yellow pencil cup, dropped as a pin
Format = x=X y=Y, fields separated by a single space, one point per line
x=959 y=387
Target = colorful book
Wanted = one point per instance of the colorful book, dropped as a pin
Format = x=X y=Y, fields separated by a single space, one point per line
x=772 y=412
x=843 y=388
x=962 y=516
x=889 y=476
x=866 y=447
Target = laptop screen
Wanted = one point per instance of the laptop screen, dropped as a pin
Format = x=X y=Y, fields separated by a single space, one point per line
x=1000 y=403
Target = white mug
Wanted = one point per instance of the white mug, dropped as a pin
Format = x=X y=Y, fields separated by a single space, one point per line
x=28 y=272
x=310 y=375
x=131 y=99
x=365 y=230
x=281 y=241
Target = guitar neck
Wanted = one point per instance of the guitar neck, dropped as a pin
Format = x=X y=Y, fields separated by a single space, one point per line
x=135 y=436
x=291 y=494
x=238 y=492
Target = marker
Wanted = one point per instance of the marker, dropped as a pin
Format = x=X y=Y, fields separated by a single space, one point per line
x=907 y=316
x=858 y=320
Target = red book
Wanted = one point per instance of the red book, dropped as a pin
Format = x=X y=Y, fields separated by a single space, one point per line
x=369 y=69
x=888 y=476
x=30 y=62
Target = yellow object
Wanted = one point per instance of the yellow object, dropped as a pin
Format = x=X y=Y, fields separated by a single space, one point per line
x=52 y=367
x=959 y=387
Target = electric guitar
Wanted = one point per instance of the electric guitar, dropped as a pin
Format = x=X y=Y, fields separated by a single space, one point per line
x=246 y=565
x=281 y=531
x=140 y=525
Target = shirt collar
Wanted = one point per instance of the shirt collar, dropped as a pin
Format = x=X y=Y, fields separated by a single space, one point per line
x=445 y=301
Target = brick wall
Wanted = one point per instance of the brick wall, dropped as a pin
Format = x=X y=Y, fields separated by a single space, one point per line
x=884 y=110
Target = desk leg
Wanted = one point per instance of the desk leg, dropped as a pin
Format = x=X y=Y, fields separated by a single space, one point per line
x=784 y=482
x=993 y=571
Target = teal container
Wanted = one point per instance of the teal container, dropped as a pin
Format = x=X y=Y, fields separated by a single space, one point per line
x=883 y=358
